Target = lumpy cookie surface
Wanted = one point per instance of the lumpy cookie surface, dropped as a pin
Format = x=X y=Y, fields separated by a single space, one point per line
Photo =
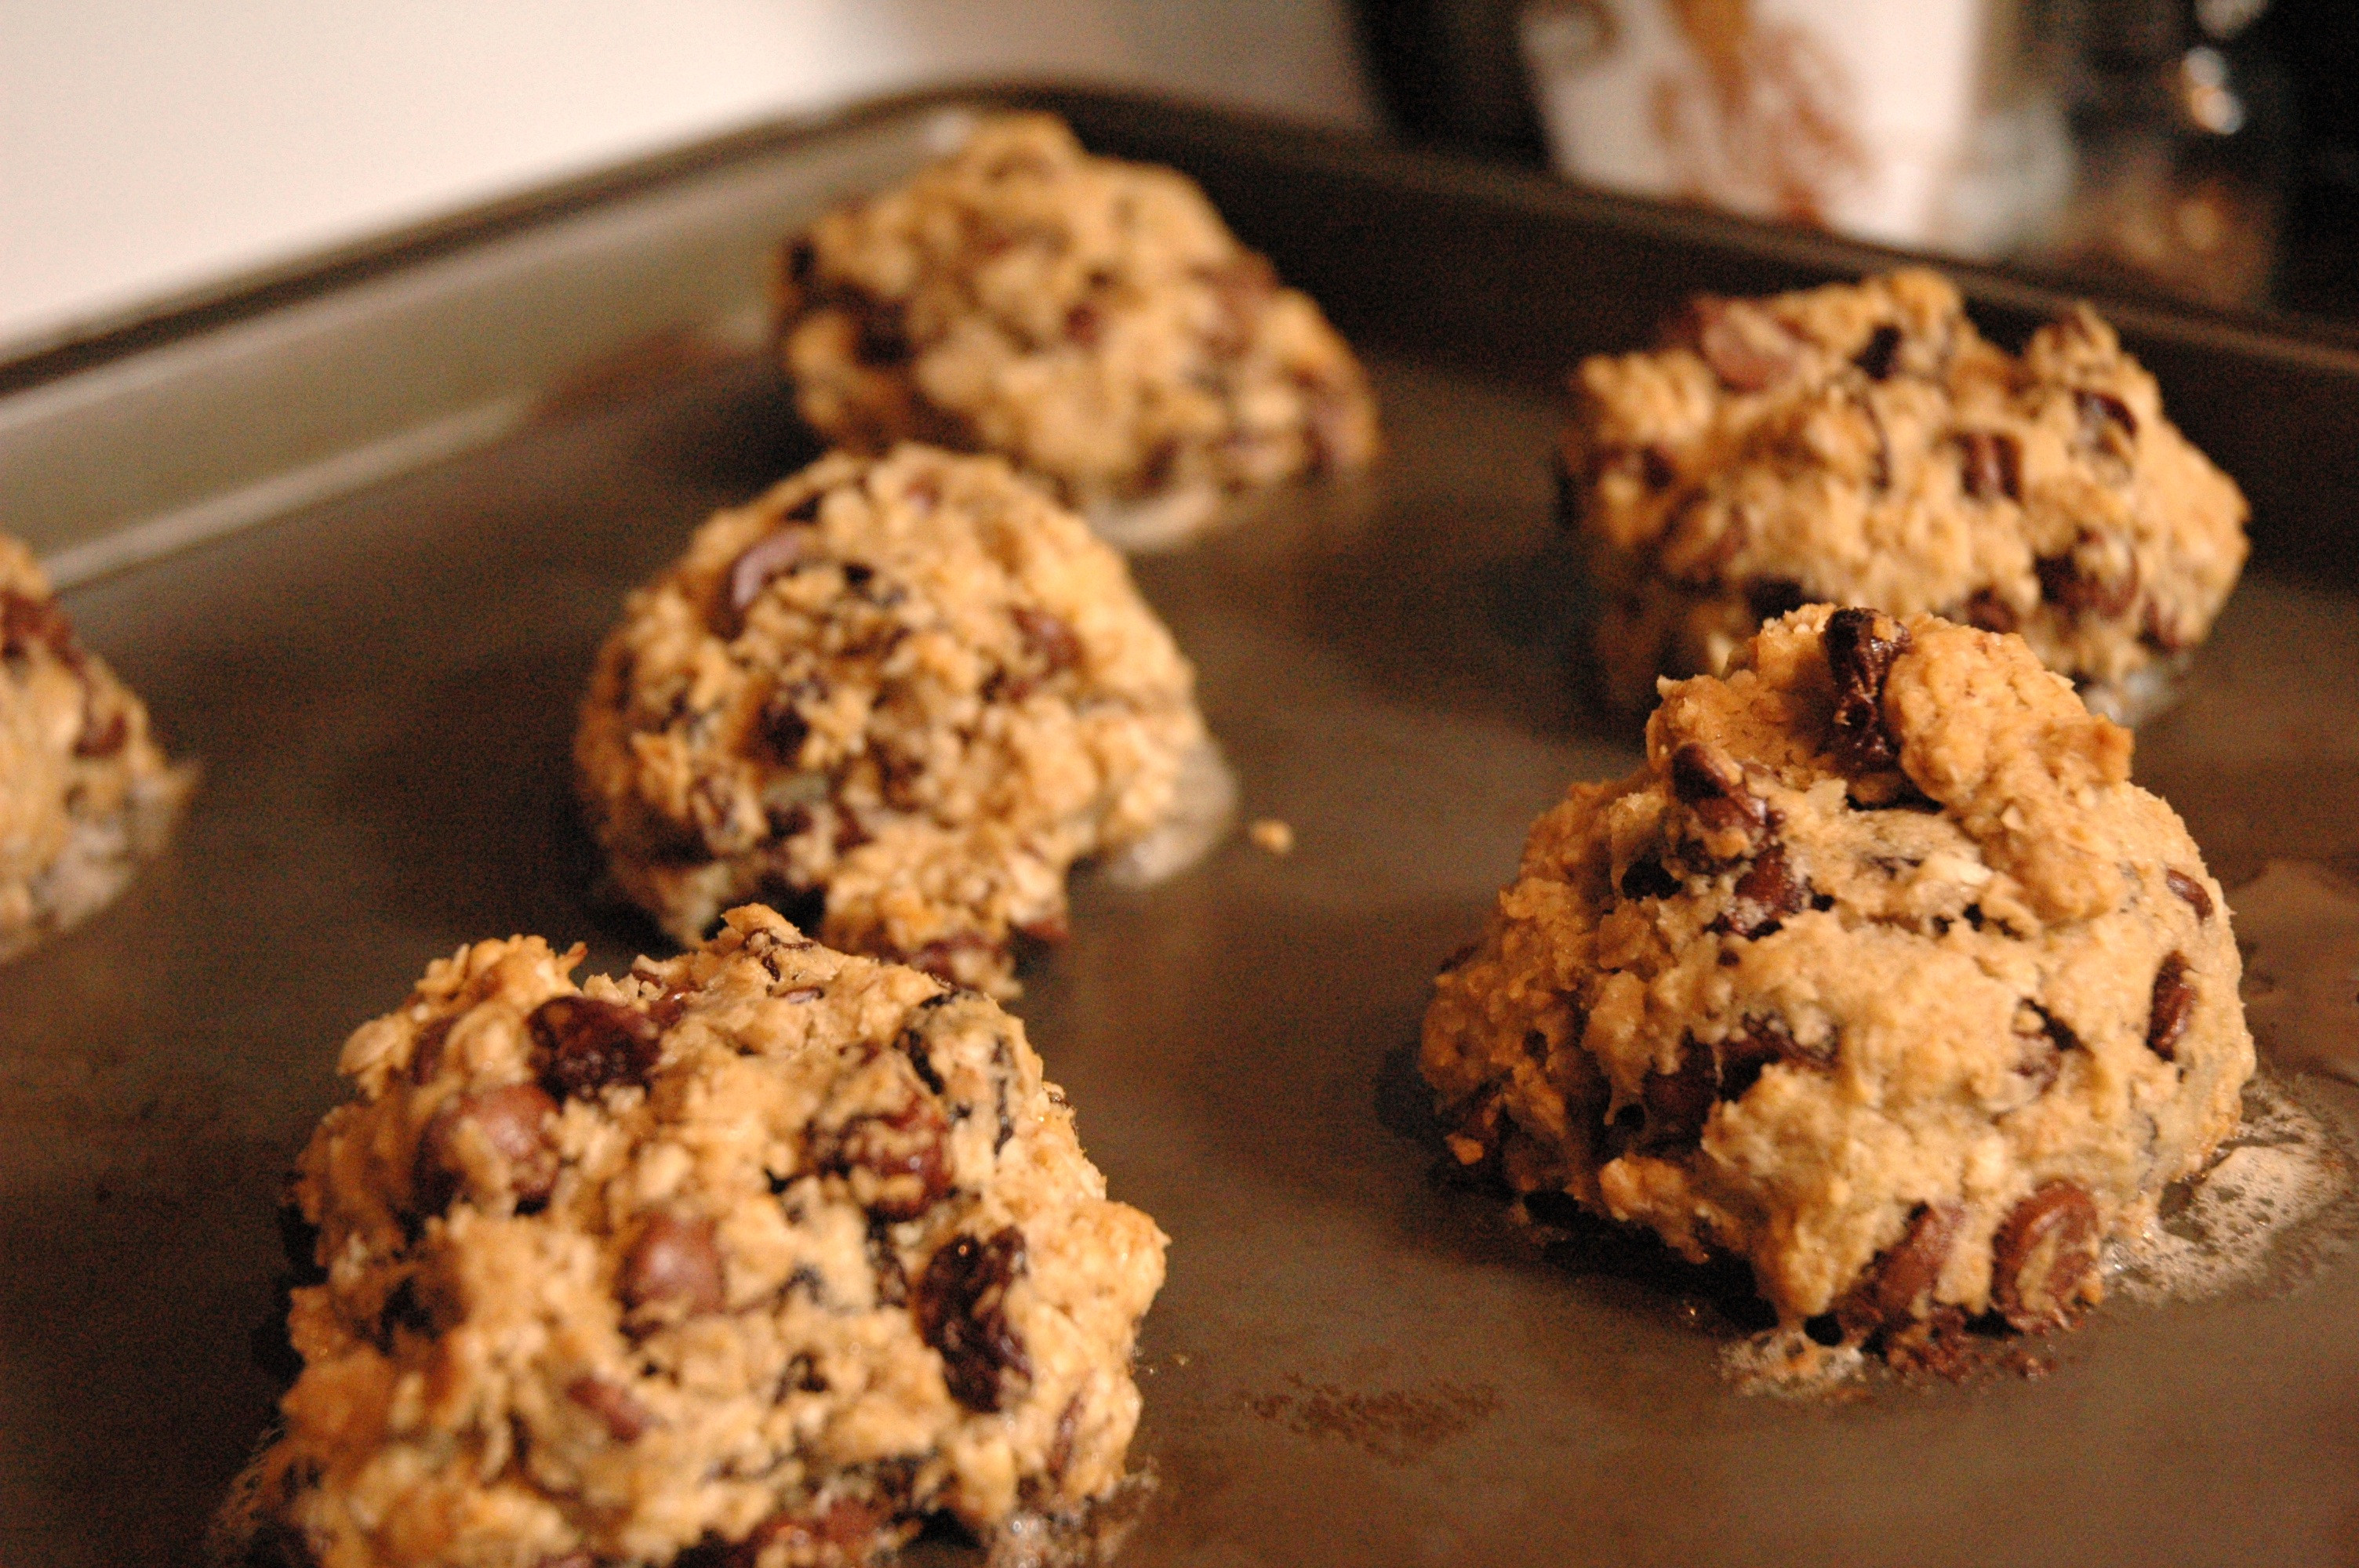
x=910 y=690
x=755 y=1256
x=1092 y=320
x=1880 y=974
x=85 y=793
x=1861 y=444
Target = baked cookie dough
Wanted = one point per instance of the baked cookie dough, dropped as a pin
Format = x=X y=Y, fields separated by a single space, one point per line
x=1092 y=320
x=1879 y=975
x=900 y=698
x=754 y=1256
x=1861 y=444
x=85 y=793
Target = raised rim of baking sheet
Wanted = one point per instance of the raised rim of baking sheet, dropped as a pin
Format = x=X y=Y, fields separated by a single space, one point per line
x=373 y=359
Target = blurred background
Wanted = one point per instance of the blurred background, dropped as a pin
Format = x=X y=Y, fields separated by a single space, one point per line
x=147 y=148
x=2205 y=150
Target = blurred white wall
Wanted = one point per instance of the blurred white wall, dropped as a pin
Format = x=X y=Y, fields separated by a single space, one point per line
x=151 y=146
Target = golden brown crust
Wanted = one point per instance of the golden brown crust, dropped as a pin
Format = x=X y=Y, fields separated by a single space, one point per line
x=763 y=1246
x=85 y=791
x=1880 y=932
x=912 y=686
x=1092 y=320
x=1861 y=444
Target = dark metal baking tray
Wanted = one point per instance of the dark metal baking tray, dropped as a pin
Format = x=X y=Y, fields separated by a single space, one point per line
x=355 y=530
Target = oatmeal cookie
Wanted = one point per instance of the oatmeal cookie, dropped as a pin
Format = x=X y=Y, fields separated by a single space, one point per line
x=1879 y=975
x=85 y=793
x=1861 y=444
x=899 y=696
x=757 y=1256
x=1092 y=320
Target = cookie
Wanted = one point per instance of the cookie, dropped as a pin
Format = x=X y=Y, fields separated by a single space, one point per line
x=899 y=697
x=1879 y=975
x=85 y=793
x=757 y=1256
x=1092 y=320
x=1861 y=444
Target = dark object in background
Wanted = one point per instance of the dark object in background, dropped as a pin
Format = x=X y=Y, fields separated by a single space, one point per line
x=2317 y=40
x=2181 y=137
x=1452 y=76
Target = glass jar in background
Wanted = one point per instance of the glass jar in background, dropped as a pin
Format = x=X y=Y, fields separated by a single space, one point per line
x=2180 y=138
x=1938 y=126
x=2133 y=140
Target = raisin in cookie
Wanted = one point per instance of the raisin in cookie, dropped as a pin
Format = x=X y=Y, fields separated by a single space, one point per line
x=900 y=697
x=1093 y=321
x=757 y=1256
x=85 y=793
x=1879 y=975
x=1861 y=444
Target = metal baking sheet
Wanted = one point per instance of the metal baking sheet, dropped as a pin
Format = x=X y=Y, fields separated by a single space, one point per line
x=1354 y=1361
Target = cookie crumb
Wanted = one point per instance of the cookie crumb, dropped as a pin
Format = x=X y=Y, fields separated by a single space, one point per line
x=1786 y=1362
x=1270 y=834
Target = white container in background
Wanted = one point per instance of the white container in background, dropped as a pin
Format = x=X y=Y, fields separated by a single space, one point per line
x=1914 y=122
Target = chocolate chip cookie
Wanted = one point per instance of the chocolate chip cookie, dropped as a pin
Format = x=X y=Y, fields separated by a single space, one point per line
x=85 y=793
x=899 y=696
x=1092 y=320
x=757 y=1256
x=1862 y=444
x=1879 y=975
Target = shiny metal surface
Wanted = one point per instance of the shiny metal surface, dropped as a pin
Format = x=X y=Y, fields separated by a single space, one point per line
x=1352 y=1363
